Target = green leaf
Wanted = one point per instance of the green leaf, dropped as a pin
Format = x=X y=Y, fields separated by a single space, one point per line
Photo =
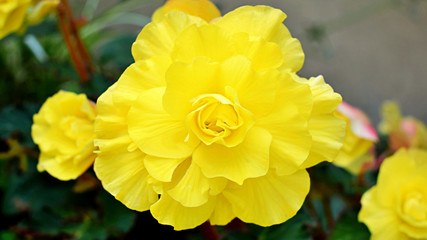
x=294 y=228
x=7 y=235
x=349 y=228
x=116 y=217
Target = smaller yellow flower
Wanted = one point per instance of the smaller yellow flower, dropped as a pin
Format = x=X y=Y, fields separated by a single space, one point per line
x=407 y=132
x=396 y=208
x=204 y=9
x=360 y=137
x=12 y=14
x=63 y=129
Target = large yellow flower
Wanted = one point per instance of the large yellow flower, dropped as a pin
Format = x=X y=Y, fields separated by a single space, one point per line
x=64 y=131
x=359 y=138
x=213 y=119
x=200 y=8
x=12 y=14
x=396 y=208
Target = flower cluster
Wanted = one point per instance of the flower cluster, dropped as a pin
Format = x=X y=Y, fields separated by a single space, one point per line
x=63 y=129
x=396 y=208
x=211 y=122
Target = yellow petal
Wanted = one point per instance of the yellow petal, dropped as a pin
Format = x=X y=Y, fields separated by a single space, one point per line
x=119 y=166
x=327 y=130
x=327 y=133
x=266 y=22
x=391 y=174
x=382 y=222
x=253 y=91
x=293 y=55
x=257 y=21
x=291 y=141
x=264 y=55
x=140 y=76
x=223 y=213
x=288 y=124
x=170 y=212
x=354 y=150
x=208 y=40
x=154 y=131
x=12 y=16
x=247 y=160
x=201 y=8
x=186 y=82
x=158 y=38
x=270 y=199
x=325 y=100
x=123 y=175
x=161 y=169
x=192 y=189
x=66 y=169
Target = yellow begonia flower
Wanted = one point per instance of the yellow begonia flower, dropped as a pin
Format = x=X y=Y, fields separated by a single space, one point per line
x=40 y=10
x=213 y=118
x=12 y=14
x=396 y=208
x=64 y=131
x=200 y=8
x=360 y=137
x=406 y=132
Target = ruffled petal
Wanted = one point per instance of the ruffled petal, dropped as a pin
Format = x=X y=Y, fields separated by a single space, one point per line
x=138 y=77
x=382 y=222
x=253 y=91
x=119 y=165
x=291 y=141
x=326 y=129
x=158 y=38
x=270 y=199
x=293 y=55
x=154 y=131
x=66 y=169
x=264 y=55
x=186 y=82
x=161 y=169
x=192 y=189
x=201 y=8
x=391 y=174
x=223 y=213
x=208 y=40
x=257 y=21
x=288 y=124
x=171 y=212
x=247 y=160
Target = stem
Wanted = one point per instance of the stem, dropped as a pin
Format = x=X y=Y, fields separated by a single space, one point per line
x=318 y=233
x=75 y=46
x=209 y=231
x=328 y=213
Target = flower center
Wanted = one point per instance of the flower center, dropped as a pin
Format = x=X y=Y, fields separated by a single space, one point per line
x=414 y=205
x=215 y=119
